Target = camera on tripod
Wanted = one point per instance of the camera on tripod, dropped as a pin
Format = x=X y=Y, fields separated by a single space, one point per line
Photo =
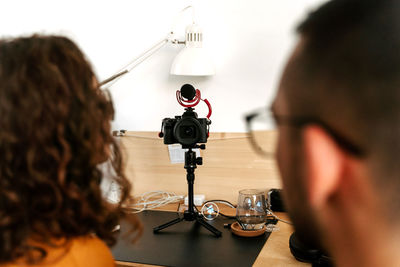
x=188 y=129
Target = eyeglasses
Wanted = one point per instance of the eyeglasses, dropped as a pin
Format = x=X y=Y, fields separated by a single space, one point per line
x=260 y=121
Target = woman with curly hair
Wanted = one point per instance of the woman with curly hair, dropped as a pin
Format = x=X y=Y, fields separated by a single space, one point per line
x=54 y=133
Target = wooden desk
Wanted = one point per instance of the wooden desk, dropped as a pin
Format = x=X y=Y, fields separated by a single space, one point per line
x=230 y=164
x=276 y=250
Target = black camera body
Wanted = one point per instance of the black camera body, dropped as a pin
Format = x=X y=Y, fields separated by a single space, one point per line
x=187 y=130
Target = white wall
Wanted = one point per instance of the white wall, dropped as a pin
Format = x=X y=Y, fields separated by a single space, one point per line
x=249 y=41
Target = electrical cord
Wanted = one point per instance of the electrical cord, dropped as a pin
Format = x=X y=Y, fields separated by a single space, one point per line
x=125 y=133
x=178 y=17
x=279 y=219
x=221 y=201
x=153 y=199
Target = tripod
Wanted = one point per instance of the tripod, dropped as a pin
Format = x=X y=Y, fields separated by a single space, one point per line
x=190 y=214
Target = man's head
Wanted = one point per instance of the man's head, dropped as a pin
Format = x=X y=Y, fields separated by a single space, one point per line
x=343 y=83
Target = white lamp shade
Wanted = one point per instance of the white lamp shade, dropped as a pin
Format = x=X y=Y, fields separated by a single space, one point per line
x=193 y=61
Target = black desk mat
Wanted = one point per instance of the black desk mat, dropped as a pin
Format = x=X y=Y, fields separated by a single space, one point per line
x=186 y=244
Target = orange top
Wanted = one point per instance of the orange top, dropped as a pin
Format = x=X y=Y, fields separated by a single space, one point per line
x=79 y=252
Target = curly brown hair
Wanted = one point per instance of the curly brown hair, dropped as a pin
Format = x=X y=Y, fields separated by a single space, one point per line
x=55 y=131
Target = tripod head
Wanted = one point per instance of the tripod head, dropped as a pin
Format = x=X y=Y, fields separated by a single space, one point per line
x=202 y=146
x=191 y=159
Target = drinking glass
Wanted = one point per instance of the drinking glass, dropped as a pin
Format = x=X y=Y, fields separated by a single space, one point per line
x=251 y=210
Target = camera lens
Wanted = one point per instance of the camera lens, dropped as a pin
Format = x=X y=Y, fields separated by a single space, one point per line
x=187 y=131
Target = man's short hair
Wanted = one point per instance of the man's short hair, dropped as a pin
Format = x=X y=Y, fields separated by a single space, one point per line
x=348 y=70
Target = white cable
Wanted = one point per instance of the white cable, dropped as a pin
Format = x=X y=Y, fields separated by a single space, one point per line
x=153 y=199
x=279 y=219
x=179 y=15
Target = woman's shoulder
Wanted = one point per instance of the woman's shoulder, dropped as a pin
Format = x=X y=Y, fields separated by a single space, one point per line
x=88 y=251
x=77 y=252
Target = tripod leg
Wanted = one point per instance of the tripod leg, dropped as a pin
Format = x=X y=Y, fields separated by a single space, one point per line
x=209 y=227
x=168 y=224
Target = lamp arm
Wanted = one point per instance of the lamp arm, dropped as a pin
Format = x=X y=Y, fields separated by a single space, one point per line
x=139 y=59
x=149 y=52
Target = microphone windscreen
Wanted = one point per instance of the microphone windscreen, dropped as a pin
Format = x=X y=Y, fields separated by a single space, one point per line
x=188 y=91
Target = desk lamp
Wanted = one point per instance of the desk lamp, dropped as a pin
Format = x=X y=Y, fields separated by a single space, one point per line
x=193 y=60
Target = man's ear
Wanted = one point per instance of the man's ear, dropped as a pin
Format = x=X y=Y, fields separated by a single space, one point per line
x=324 y=165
